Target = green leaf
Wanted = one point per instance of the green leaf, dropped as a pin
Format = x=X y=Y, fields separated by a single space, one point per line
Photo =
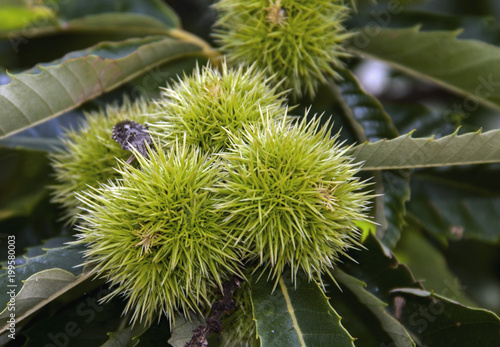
x=390 y=325
x=32 y=98
x=405 y=152
x=467 y=67
x=361 y=323
x=125 y=337
x=425 y=121
x=38 y=290
x=385 y=277
x=296 y=314
x=363 y=108
x=379 y=269
x=364 y=298
x=64 y=258
x=474 y=26
x=476 y=263
x=370 y=279
x=157 y=334
x=369 y=120
x=438 y=321
x=395 y=194
x=417 y=252
x=47 y=144
x=148 y=85
x=18 y=15
x=38 y=250
x=55 y=242
x=137 y=24
x=138 y=17
x=78 y=318
x=458 y=203
x=71 y=9
x=24 y=177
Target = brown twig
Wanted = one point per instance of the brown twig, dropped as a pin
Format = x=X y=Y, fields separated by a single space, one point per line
x=214 y=323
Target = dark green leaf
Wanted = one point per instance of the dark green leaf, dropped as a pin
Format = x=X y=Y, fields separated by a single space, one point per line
x=32 y=98
x=396 y=192
x=81 y=320
x=384 y=277
x=379 y=269
x=467 y=67
x=296 y=314
x=363 y=108
x=370 y=121
x=157 y=334
x=32 y=143
x=47 y=137
x=137 y=17
x=438 y=321
x=368 y=284
x=136 y=24
x=476 y=263
x=125 y=337
x=37 y=291
x=23 y=177
x=424 y=121
x=390 y=325
x=55 y=242
x=71 y=9
x=395 y=15
x=456 y=203
x=417 y=252
x=361 y=323
x=64 y=258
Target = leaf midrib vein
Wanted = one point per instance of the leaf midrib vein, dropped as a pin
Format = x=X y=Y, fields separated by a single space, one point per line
x=289 y=306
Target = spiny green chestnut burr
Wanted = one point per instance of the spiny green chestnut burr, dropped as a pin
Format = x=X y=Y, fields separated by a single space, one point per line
x=297 y=41
x=89 y=153
x=208 y=105
x=155 y=236
x=291 y=197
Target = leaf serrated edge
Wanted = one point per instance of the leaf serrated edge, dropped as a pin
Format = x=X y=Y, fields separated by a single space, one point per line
x=357 y=151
